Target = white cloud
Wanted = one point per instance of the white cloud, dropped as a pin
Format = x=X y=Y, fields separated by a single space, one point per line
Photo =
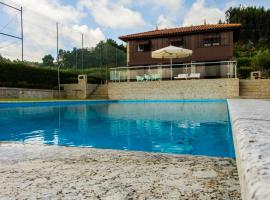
x=168 y=11
x=169 y=5
x=199 y=12
x=164 y=22
x=40 y=29
x=112 y=15
x=52 y=9
x=91 y=36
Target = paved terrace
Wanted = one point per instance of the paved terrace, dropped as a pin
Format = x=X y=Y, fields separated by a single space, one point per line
x=52 y=172
x=251 y=129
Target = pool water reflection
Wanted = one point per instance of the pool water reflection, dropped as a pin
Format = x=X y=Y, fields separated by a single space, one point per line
x=197 y=128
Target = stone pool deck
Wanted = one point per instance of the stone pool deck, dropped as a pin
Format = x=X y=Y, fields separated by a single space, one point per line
x=29 y=171
x=251 y=132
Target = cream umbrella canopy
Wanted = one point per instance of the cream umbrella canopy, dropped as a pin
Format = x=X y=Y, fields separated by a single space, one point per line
x=171 y=52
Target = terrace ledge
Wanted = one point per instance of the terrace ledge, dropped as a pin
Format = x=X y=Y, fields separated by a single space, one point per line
x=250 y=121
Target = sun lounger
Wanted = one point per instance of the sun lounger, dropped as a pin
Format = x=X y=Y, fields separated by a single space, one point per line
x=194 y=76
x=181 y=76
x=147 y=77
x=155 y=77
x=140 y=78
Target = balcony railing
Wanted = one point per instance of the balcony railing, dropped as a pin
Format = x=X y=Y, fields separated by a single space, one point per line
x=198 y=70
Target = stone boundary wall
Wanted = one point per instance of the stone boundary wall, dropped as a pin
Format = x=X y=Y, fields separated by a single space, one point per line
x=24 y=93
x=177 y=89
x=78 y=91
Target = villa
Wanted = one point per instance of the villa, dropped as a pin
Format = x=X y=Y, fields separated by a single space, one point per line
x=176 y=122
x=209 y=42
x=211 y=46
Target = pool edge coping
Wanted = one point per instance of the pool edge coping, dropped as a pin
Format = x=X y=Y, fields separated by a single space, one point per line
x=249 y=146
x=112 y=101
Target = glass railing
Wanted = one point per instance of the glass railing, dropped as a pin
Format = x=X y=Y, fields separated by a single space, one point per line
x=186 y=71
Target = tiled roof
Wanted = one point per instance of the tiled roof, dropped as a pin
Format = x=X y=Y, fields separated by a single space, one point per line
x=180 y=30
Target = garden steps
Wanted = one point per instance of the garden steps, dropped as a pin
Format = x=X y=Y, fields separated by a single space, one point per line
x=101 y=92
x=255 y=89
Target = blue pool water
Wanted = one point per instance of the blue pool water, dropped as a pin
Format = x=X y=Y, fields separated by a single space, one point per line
x=198 y=128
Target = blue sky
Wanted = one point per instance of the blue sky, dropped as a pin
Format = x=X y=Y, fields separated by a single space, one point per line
x=170 y=12
x=101 y=19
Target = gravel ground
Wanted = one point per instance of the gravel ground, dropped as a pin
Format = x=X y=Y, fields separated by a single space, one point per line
x=29 y=171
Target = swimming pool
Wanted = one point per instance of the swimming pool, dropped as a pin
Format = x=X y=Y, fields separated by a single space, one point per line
x=179 y=127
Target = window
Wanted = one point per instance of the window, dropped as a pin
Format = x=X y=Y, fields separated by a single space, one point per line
x=208 y=42
x=178 y=43
x=211 y=40
x=143 y=47
x=216 y=41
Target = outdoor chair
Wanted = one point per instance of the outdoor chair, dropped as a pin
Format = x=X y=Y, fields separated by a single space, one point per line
x=194 y=76
x=147 y=77
x=181 y=76
x=139 y=78
x=155 y=77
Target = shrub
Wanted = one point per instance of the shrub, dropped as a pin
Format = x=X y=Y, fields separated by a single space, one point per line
x=244 y=61
x=262 y=60
x=19 y=75
x=244 y=72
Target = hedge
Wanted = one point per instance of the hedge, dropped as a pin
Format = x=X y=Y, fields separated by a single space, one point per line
x=244 y=61
x=244 y=72
x=22 y=76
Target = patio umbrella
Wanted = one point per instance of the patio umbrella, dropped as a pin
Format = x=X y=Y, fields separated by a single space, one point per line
x=171 y=52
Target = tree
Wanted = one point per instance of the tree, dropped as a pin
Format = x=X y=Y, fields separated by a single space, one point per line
x=48 y=60
x=262 y=60
x=4 y=60
x=255 y=23
x=105 y=54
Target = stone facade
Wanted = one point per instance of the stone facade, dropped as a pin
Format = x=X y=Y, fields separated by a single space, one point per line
x=181 y=89
x=78 y=91
x=23 y=93
x=81 y=90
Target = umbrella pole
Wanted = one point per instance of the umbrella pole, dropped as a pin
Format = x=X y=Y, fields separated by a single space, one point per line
x=171 y=67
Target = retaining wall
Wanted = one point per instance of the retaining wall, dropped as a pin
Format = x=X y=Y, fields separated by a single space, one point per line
x=23 y=93
x=78 y=91
x=178 y=89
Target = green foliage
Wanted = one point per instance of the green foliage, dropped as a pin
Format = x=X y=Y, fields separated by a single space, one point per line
x=106 y=53
x=244 y=50
x=48 y=60
x=244 y=72
x=4 y=60
x=255 y=24
x=262 y=60
x=19 y=75
x=244 y=61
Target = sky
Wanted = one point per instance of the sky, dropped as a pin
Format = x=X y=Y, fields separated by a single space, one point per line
x=100 y=19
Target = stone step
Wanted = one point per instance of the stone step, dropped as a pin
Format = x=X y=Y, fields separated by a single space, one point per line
x=101 y=92
x=255 y=92
x=259 y=86
x=254 y=97
x=256 y=89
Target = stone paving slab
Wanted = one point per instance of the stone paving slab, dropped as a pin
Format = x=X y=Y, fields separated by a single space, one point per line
x=30 y=171
x=251 y=132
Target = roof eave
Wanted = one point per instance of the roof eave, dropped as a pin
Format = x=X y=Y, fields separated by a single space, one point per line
x=127 y=38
